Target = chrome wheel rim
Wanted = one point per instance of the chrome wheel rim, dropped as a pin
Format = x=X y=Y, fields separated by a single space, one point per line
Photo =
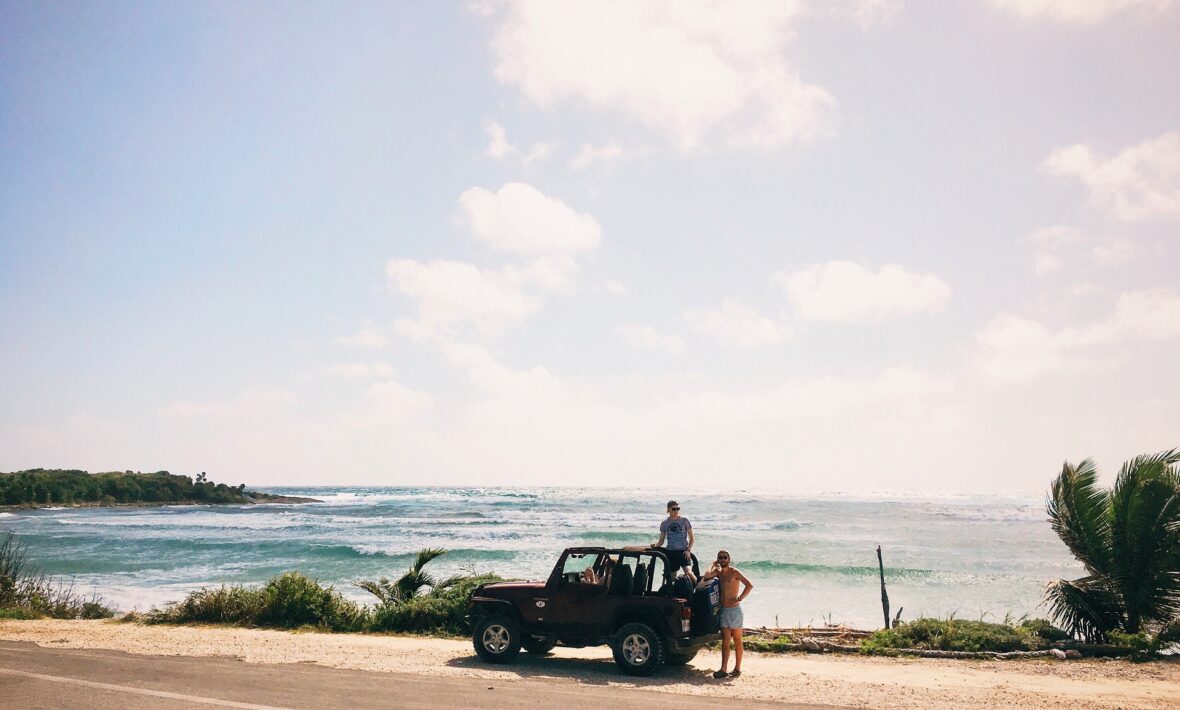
x=636 y=649
x=495 y=639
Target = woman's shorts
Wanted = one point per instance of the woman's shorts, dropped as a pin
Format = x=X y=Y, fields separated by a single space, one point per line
x=732 y=618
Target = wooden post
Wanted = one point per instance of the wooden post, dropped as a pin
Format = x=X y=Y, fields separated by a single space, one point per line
x=884 y=594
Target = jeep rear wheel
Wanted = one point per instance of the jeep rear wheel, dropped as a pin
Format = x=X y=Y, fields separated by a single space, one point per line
x=539 y=646
x=638 y=649
x=496 y=638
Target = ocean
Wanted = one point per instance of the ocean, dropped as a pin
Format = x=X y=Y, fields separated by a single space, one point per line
x=812 y=559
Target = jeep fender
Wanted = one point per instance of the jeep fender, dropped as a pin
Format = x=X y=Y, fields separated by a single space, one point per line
x=482 y=606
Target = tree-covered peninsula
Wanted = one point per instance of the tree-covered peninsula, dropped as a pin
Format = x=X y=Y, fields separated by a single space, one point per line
x=39 y=487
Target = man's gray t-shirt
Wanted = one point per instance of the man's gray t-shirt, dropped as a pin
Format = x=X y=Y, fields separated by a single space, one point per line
x=676 y=532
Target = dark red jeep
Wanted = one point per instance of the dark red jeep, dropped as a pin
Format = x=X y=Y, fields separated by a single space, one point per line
x=627 y=598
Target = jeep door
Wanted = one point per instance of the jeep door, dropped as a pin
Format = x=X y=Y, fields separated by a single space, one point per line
x=573 y=608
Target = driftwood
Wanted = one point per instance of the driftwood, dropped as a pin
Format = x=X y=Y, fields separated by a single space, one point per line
x=884 y=595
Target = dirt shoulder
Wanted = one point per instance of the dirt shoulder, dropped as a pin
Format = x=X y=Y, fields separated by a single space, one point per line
x=836 y=680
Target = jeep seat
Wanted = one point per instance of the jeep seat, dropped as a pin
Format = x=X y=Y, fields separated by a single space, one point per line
x=640 y=585
x=621 y=581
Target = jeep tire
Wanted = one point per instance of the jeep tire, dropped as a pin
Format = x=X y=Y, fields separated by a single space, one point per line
x=638 y=649
x=496 y=638
x=539 y=646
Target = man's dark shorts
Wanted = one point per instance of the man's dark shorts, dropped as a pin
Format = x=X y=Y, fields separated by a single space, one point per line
x=680 y=558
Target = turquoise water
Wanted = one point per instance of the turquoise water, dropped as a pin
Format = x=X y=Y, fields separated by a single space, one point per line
x=811 y=559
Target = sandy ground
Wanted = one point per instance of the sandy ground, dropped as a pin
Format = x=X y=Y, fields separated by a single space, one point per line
x=837 y=680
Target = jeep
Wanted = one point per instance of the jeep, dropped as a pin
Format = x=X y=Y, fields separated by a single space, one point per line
x=627 y=598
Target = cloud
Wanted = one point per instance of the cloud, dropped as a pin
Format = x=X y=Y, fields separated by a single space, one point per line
x=691 y=71
x=453 y=297
x=537 y=152
x=614 y=288
x=1013 y=348
x=498 y=145
x=452 y=294
x=1140 y=182
x=734 y=325
x=589 y=154
x=360 y=369
x=393 y=398
x=844 y=292
x=1054 y=247
x=648 y=338
x=247 y=404
x=1079 y=11
x=519 y=219
x=364 y=338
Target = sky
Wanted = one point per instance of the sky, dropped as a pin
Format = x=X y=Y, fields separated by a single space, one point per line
x=857 y=246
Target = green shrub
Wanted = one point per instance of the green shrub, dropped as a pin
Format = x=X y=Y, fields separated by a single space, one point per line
x=1043 y=629
x=440 y=611
x=292 y=600
x=288 y=601
x=950 y=635
x=220 y=605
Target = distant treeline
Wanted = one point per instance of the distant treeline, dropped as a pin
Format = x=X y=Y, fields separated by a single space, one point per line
x=41 y=487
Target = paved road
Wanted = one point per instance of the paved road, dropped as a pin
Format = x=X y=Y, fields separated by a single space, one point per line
x=35 y=677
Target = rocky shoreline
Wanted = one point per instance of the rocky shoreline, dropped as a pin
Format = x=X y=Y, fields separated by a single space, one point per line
x=256 y=499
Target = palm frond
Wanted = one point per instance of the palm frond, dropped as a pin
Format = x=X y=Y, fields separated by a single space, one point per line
x=1145 y=539
x=380 y=588
x=1083 y=607
x=424 y=557
x=1079 y=513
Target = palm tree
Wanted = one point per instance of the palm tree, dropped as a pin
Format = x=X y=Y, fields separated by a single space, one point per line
x=1128 y=539
x=410 y=584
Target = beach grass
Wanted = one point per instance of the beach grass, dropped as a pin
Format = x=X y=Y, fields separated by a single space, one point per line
x=27 y=593
x=962 y=635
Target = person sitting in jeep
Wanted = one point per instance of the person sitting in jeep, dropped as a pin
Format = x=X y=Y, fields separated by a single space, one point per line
x=590 y=575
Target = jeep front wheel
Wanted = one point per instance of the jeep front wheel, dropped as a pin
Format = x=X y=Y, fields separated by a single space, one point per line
x=496 y=638
x=638 y=649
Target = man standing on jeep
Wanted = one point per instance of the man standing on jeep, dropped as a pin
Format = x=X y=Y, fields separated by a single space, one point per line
x=678 y=532
x=731 y=611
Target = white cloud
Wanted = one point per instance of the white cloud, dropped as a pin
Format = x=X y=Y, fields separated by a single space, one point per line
x=364 y=338
x=538 y=152
x=734 y=325
x=455 y=296
x=393 y=398
x=844 y=292
x=519 y=219
x=1141 y=181
x=1056 y=246
x=1014 y=348
x=451 y=294
x=1112 y=251
x=360 y=369
x=868 y=13
x=1048 y=245
x=498 y=145
x=614 y=288
x=249 y=403
x=1081 y=11
x=688 y=69
x=648 y=338
x=589 y=154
